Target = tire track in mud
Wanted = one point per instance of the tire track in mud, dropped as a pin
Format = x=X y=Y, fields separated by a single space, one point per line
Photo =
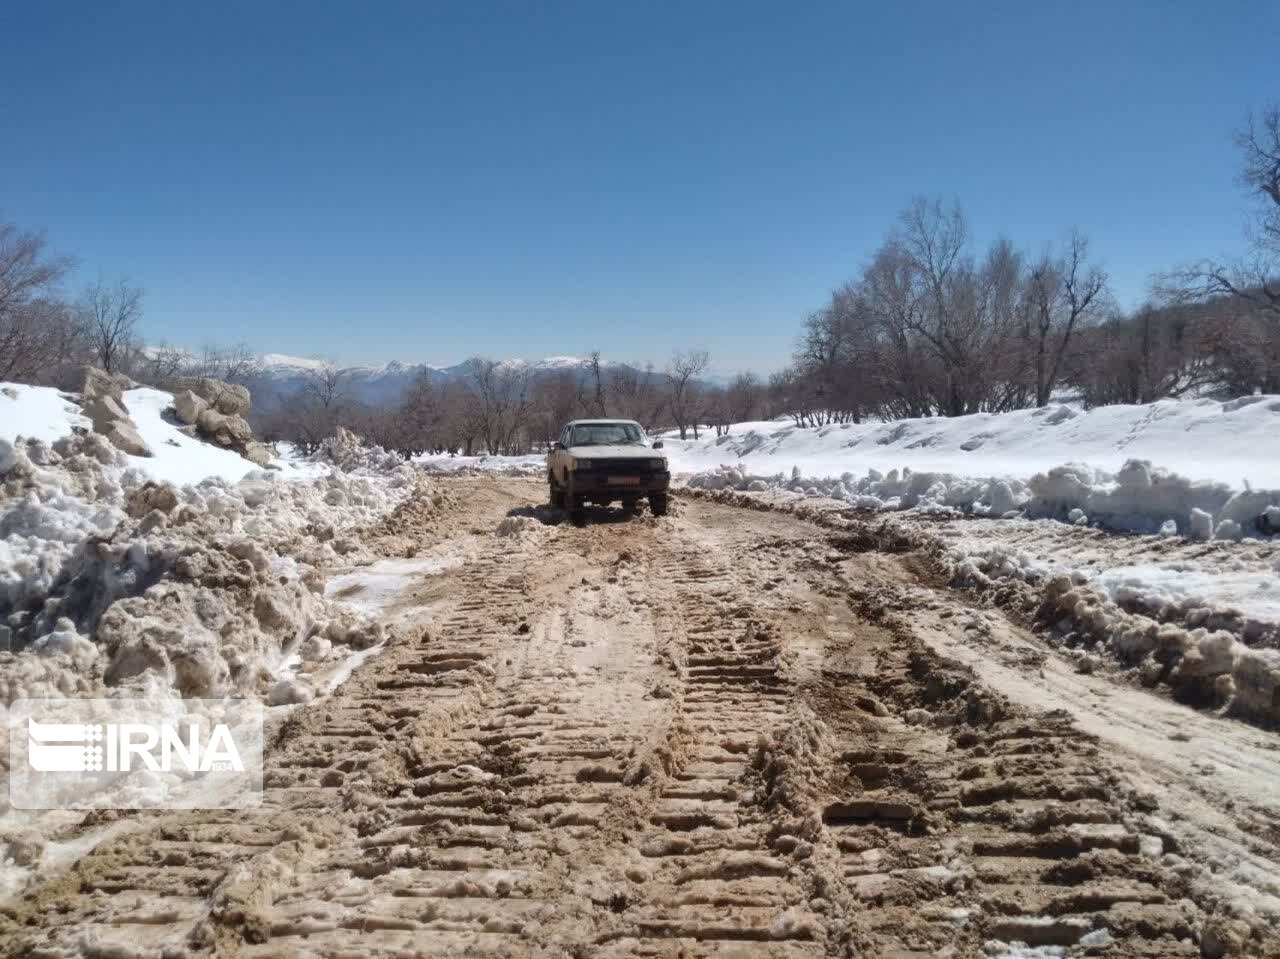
x=687 y=737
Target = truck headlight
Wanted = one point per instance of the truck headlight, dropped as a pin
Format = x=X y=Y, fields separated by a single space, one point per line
x=579 y=464
x=657 y=464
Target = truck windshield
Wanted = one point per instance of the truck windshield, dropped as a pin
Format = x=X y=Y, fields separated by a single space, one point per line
x=606 y=434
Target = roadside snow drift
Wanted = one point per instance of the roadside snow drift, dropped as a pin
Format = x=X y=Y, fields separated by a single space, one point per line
x=1208 y=469
x=1234 y=443
x=189 y=573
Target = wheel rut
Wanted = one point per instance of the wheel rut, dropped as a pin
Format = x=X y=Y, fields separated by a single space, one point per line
x=692 y=736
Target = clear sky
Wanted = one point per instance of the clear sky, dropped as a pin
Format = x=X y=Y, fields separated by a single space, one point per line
x=425 y=181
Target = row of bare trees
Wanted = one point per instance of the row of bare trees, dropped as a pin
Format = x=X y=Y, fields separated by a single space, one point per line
x=511 y=408
x=932 y=328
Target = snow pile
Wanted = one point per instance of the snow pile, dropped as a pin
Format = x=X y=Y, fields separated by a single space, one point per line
x=349 y=451
x=533 y=464
x=111 y=581
x=1145 y=499
x=896 y=490
x=1232 y=442
x=1206 y=630
x=1203 y=665
x=1139 y=498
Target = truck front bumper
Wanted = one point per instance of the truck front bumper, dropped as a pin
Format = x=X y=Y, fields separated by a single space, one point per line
x=598 y=485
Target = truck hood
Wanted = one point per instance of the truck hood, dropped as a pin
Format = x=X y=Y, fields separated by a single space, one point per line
x=614 y=453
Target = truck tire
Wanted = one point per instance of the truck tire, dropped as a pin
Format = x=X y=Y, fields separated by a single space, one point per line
x=658 y=504
x=556 y=496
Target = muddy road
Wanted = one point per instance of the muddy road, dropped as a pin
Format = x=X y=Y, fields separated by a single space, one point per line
x=726 y=732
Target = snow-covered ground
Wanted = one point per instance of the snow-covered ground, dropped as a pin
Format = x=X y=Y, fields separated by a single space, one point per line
x=1232 y=442
x=1199 y=468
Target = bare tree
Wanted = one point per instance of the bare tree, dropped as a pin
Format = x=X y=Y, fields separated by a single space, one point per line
x=597 y=404
x=109 y=315
x=502 y=403
x=744 y=397
x=36 y=328
x=1256 y=278
x=1062 y=291
x=682 y=375
x=316 y=411
x=635 y=392
x=160 y=364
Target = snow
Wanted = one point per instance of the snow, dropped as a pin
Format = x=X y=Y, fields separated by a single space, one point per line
x=178 y=459
x=1233 y=442
x=1254 y=592
x=1200 y=468
x=532 y=464
x=38 y=412
x=112 y=578
x=281 y=361
x=373 y=588
x=43 y=413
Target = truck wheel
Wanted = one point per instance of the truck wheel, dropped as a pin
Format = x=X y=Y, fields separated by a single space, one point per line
x=631 y=506
x=577 y=510
x=556 y=497
x=658 y=504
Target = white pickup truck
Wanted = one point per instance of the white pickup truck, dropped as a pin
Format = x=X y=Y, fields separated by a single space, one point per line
x=607 y=461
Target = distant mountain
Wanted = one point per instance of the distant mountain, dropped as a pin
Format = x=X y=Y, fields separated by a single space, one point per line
x=385 y=385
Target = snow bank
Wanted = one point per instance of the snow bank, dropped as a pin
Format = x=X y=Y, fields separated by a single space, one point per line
x=1205 y=440
x=1140 y=498
x=191 y=573
x=531 y=465
x=45 y=414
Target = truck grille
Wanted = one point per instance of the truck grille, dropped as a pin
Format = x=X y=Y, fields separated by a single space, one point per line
x=634 y=467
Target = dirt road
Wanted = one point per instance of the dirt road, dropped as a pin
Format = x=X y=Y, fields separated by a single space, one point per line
x=721 y=733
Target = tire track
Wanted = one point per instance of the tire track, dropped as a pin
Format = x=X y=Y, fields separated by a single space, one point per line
x=696 y=736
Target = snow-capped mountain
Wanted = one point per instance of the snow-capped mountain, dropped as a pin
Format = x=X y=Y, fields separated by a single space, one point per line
x=281 y=375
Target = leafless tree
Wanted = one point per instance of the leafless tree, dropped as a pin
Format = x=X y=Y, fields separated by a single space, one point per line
x=682 y=374
x=635 y=392
x=1255 y=279
x=744 y=397
x=555 y=402
x=36 y=328
x=314 y=412
x=502 y=403
x=597 y=390
x=109 y=316
x=160 y=364
x=1061 y=293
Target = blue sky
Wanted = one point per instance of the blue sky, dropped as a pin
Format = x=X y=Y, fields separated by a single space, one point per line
x=425 y=181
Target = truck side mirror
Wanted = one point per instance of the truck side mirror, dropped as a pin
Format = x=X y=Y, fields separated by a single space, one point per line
x=557 y=445
x=657 y=444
